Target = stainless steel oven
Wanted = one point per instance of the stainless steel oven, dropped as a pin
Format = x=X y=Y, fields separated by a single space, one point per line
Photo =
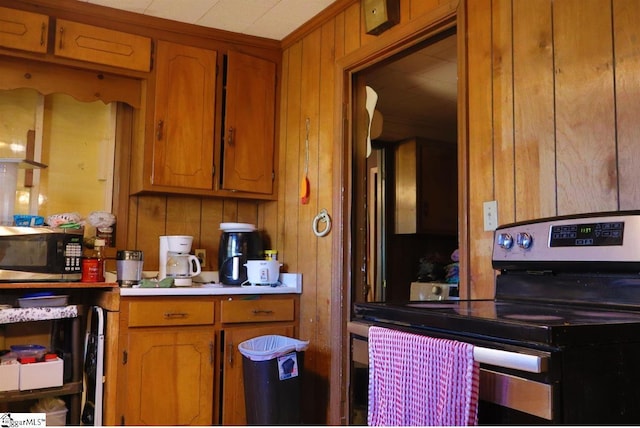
x=560 y=342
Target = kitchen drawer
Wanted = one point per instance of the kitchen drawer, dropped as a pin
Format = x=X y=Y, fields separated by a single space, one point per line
x=147 y=313
x=236 y=311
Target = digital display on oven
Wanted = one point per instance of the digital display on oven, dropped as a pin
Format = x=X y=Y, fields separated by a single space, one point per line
x=587 y=234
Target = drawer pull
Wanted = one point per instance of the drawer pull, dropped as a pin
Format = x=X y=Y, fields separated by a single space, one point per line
x=43 y=32
x=262 y=311
x=174 y=315
x=61 y=37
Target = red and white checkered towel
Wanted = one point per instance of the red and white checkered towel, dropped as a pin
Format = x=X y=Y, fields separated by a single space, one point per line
x=417 y=380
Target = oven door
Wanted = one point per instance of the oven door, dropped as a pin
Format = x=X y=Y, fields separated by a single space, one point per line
x=514 y=385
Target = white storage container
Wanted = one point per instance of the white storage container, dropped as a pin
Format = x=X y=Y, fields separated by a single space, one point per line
x=9 y=377
x=41 y=375
x=57 y=418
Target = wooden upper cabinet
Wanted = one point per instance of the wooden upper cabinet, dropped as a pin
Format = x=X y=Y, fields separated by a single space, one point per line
x=183 y=137
x=101 y=45
x=23 y=30
x=249 y=124
x=426 y=187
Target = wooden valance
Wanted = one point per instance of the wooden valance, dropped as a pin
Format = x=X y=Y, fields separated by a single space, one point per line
x=83 y=85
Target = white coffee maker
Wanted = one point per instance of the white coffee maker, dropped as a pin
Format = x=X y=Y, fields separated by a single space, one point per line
x=175 y=260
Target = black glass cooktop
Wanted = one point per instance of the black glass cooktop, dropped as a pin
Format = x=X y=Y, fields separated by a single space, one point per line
x=547 y=324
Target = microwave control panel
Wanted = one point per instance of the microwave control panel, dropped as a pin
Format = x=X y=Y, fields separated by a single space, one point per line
x=73 y=257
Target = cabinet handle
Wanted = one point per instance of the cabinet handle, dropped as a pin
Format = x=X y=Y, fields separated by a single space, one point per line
x=174 y=315
x=262 y=311
x=212 y=348
x=230 y=136
x=230 y=352
x=160 y=130
x=43 y=31
x=61 y=36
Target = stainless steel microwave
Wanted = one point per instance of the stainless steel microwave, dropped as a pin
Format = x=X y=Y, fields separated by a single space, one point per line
x=33 y=254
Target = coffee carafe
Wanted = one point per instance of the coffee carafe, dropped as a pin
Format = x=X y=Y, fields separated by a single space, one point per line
x=175 y=260
x=239 y=242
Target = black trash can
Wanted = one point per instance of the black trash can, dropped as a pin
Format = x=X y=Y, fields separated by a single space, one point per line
x=272 y=368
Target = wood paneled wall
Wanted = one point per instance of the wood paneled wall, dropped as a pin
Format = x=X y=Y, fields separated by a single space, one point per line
x=153 y=216
x=552 y=100
x=309 y=92
x=548 y=128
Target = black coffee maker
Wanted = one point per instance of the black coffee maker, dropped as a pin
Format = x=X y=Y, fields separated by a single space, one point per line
x=239 y=242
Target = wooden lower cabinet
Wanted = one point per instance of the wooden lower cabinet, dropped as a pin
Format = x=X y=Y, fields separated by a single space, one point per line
x=170 y=377
x=168 y=360
x=178 y=358
x=243 y=319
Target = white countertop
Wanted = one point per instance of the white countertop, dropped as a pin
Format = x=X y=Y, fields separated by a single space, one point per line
x=289 y=283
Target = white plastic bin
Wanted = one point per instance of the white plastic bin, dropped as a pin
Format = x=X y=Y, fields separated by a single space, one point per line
x=54 y=408
x=57 y=418
x=264 y=348
x=272 y=368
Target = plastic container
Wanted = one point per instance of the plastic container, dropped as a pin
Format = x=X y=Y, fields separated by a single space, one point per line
x=55 y=409
x=271 y=254
x=28 y=220
x=8 y=185
x=272 y=367
x=57 y=418
x=43 y=301
x=29 y=350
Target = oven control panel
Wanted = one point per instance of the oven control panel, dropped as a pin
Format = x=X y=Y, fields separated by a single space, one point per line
x=612 y=237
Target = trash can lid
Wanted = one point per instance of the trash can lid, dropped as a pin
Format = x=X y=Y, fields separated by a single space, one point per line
x=264 y=348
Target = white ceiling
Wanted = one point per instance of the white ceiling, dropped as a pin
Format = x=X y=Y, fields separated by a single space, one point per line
x=418 y=93
x=273 y=19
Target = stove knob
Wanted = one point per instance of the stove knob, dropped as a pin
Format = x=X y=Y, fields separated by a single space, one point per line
x=505 y=241
x=524 y=240
x=436 y=290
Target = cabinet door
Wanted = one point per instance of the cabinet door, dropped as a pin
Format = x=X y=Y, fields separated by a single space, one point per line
x=438 y=188
x=426 y=187
x=249 y=124
x=23 y=30
x=170 y=376
x=184 y=117
x=233 y=409
x=101 y=45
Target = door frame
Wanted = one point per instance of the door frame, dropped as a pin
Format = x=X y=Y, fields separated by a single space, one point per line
x=350 y=126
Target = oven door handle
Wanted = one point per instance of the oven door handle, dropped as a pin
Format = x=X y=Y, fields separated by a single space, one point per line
x=495 y=357
x=512 y=360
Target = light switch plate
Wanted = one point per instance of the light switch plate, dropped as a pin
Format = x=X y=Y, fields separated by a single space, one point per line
x=490 y=213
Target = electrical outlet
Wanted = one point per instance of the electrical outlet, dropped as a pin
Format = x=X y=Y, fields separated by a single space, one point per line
x=490 y=209
x=201 y=254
